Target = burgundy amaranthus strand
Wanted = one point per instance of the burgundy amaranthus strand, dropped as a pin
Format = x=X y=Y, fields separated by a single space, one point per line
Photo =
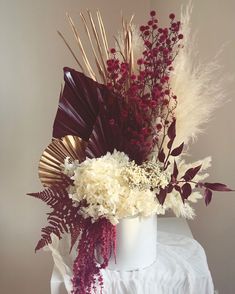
x=100 y=236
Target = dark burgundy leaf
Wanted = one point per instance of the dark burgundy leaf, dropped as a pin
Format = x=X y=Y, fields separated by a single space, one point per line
x=208 y=196
x=170 y=143
x=175 y=170
x=105 y=137
x=177 y=188
x=169 y=188
x=166 y=166
x=161 y=156
x=199 y=185
x=186 y=190
x=162 y=196
x=78 y=105
x=177 y=151
x=171 y=132
x=217 y=187
x=191 y=173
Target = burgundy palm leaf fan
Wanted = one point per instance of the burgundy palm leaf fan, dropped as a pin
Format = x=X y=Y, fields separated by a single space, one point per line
x=89 y=110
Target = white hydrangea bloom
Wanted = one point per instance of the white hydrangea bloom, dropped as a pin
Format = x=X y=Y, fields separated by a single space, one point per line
x=105 y=184
x=114 y=187
x=69 y=166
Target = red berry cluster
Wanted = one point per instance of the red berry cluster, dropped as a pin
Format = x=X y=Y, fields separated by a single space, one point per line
x=145 y=94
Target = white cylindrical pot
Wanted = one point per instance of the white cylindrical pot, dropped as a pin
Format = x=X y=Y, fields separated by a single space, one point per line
x=136 y=244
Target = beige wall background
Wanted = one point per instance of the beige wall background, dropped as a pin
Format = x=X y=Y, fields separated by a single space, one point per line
x=31 y=60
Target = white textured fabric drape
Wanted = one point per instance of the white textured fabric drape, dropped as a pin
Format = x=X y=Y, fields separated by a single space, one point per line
x=181 y=268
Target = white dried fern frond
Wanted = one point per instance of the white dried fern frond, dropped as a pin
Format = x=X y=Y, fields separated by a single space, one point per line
x=199 y=87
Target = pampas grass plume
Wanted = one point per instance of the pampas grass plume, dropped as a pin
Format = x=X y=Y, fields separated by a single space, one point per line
x=199 y=87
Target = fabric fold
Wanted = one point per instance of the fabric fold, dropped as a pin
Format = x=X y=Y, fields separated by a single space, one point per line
x=181 y=267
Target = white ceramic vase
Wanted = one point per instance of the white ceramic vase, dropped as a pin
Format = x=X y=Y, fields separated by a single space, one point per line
x=136 y=244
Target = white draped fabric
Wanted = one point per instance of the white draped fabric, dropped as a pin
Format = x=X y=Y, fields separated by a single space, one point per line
x=181 y=268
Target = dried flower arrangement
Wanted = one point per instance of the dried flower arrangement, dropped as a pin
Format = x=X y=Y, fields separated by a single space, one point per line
x=118 y=139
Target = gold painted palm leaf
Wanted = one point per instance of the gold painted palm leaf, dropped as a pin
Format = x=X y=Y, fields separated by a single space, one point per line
x=53 y=157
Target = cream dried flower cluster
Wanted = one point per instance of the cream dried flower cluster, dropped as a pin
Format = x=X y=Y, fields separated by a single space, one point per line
x=148 y=176
x=115 y=187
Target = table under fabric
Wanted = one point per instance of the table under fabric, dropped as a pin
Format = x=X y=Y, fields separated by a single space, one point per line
x=181 y=267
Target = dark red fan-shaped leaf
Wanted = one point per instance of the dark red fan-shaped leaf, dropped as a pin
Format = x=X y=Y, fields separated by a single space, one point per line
x=78 y=105
x=191 y=173
x=102 y=140
x=107 y=134
x=208 y=196
x=89 y=110
x=217 y=187
x=177 y=151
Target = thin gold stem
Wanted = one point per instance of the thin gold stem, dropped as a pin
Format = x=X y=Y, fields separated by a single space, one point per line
x=103 y=34
x=84 y=56
x=71 y=51
x=99 y=66
x=97 y=40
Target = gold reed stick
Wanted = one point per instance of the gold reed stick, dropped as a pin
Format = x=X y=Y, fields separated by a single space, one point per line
x=71 y=51
x=80 y=45
x=99 y=65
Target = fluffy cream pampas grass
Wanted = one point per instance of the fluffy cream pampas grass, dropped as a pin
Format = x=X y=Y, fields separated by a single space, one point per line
x=199 y=87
